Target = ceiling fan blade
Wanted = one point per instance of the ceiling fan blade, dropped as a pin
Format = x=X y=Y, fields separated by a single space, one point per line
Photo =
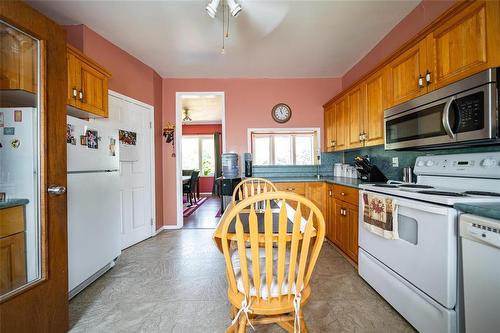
x=261 y=17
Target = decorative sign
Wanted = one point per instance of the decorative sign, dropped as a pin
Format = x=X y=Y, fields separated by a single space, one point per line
x=127 y=137
x=9 y=131
x=18 y=116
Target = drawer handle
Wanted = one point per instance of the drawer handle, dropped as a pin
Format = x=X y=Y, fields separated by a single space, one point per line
x=290 y=189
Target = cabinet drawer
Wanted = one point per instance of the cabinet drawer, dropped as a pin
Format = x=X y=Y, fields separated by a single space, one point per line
x=11 y=221
x=298 y=188
x=345 y=193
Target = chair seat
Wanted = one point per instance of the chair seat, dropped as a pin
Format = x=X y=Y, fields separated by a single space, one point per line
x=275 y=292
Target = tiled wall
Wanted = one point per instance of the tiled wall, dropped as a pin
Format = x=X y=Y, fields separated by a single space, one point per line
x=380 y=157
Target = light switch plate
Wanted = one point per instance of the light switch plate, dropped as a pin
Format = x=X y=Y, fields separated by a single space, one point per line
x=395 y=162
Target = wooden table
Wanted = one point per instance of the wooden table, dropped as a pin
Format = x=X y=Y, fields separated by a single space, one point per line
x=186 y=179
x=217 y=235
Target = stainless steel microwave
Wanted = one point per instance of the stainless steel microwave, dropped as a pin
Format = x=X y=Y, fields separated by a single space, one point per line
x=460 y=114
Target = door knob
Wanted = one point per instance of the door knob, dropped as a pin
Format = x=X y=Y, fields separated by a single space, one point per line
x=56 y=190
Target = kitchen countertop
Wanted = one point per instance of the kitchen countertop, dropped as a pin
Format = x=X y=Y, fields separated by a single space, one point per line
x=13 y=202
x=350 y=182
x=485 y=209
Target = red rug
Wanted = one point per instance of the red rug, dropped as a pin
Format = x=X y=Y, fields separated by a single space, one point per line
x=190 y=210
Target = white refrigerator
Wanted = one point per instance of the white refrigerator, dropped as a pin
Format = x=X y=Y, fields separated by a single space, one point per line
x=93 y=201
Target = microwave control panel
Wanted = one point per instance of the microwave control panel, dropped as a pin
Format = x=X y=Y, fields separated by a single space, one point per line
x=470 y=112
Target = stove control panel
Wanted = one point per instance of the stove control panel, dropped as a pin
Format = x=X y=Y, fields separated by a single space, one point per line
x=484 y=165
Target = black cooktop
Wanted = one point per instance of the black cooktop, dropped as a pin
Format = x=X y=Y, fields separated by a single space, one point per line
x=443 y=193
x=483 y=193
x=415 y=186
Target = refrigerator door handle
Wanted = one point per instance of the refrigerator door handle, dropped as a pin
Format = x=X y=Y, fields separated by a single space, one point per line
x=56 y=190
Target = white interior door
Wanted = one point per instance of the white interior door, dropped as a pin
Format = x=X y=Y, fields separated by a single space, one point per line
x=135 y=171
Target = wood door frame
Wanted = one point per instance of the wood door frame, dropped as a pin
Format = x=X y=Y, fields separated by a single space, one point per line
x=178 y=148
x=43 y=305
x=152 y=168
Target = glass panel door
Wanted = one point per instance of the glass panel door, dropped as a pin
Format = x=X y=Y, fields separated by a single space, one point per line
x=20 y=218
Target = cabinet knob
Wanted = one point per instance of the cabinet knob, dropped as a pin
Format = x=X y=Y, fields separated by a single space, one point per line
x=80 y=95
x=420 y=81
x=333 y=143
x=428 y=77
x=342 y=193
x=330 y=193
x=75 y=92
x=56 y=190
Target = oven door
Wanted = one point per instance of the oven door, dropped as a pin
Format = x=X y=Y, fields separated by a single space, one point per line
x=425 y=253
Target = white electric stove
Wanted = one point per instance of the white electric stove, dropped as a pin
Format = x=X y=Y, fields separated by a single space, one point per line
x=417 y=273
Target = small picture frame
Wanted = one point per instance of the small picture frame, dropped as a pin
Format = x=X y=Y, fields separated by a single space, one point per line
x=83 y=140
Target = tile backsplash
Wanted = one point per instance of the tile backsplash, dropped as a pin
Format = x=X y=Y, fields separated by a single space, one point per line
x=378 y=156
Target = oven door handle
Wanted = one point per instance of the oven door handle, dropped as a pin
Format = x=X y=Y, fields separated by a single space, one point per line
x=446 y=117
x=422 y=207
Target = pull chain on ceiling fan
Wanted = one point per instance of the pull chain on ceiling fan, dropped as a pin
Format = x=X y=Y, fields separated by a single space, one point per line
x=233 y=8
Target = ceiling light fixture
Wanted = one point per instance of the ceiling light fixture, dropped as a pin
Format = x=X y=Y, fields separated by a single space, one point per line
x=186 y=115
x=234 y=7
x=212 y=8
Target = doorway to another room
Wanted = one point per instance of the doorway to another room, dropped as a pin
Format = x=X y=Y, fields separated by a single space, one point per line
x=200 y=128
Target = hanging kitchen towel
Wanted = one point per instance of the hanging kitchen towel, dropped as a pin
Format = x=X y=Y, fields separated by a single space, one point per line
x=380 y=215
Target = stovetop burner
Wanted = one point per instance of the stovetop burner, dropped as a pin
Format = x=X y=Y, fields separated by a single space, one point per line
x=443 y=193
x=483 y=193
x=415 y=186
x=386 y=185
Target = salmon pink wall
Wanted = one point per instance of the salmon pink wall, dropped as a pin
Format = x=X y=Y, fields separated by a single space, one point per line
x=130 y=77
x=206 y=182
x=248 y=104
x=420 y=17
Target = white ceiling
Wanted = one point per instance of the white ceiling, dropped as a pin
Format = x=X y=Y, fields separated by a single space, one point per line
x=268 y=39
x=203 y=109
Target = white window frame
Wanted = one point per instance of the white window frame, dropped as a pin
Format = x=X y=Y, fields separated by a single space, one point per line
x=200 y=152
x=263 y=132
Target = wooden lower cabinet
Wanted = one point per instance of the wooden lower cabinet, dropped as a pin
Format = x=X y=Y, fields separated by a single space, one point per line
x=12 y=249
x=342 y=222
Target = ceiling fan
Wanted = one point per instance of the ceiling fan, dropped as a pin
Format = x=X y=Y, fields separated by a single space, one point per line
x=262 y=16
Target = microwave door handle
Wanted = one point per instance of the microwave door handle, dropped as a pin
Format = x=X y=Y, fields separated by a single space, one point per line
x=446 y=117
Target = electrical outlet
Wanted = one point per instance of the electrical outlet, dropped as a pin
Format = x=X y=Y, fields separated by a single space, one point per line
x=395 y=162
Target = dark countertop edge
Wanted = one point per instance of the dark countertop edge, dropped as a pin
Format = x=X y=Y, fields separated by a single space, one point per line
x=13 y=203
x=484 y=209
x=349 y=182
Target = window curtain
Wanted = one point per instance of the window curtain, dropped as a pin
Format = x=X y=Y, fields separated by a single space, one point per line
x=218 y=164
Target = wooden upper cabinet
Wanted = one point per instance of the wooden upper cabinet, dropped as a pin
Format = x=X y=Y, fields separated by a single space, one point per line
x=329 y=127
x=18 y=61
x=375 y=90
x=467 y=43
x=405 y=72
x=355 y=111
x=341 y=124
x=87 y=85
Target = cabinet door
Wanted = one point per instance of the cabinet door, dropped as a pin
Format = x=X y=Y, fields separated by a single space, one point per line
x=355 y=110
x=466 y=44
x=330 y=128
x=12 y=262
x=18 y=61
x=74 y=80
x=351 y=221
x=330 y=216
x=95 y=90
x=341 y=124
x=341 y=228
x=404 y=73
x=375 y=90
x=316 y=192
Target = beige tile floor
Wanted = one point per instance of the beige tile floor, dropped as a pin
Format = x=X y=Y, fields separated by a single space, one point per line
x=175 y=282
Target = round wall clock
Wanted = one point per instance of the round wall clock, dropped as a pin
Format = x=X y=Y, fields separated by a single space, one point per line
x=281 y=113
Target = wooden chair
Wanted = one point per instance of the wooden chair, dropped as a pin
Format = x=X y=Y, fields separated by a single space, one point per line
x=189 y=189
x=269 y=271
x=252 y=186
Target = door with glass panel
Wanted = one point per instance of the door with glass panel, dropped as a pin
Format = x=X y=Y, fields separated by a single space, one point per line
x=33 y=245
